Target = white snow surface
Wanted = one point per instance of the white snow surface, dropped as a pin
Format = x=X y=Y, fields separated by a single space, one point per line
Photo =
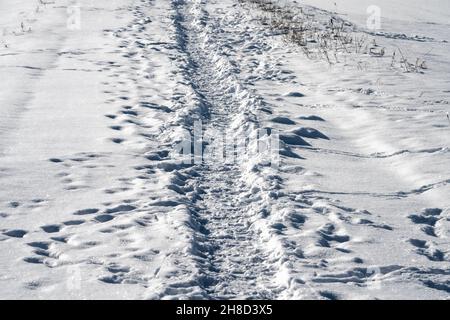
x=95 y=204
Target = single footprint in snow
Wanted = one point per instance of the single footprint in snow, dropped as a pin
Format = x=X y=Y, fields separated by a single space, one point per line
x=121 y=208
x=18 y=233
x=34 y=260
x=130 y=113
x=328 y=234
x=310 y=133
x=62 y=174
x=38 y=200
x=428 y=218
x=438 y=285
x=40 y=245
x=119 y=274
x=278 y=227
x=34 y=284
x=116 y=190
x=295 y=94
x=158 y=156
x=116 y=268
x=283 y=120
x=73 y=188
x=329 y=295
x=418 y=243
x=293 y=140
x=108 y=230
x=297 y=220
x=147 y=256
x=427 y=249
x=117 y=140
x=55 y=160
x=74 y=222
x=114 y=279
x=14 y=204
x=62 y=239
x=311 y=118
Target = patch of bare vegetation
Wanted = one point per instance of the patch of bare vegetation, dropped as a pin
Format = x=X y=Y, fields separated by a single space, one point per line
x=323 y=35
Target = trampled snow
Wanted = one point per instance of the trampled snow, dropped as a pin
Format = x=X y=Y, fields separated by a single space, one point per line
x=115 y=115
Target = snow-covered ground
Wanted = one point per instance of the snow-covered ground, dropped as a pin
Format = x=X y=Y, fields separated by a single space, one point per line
x=99 y=98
